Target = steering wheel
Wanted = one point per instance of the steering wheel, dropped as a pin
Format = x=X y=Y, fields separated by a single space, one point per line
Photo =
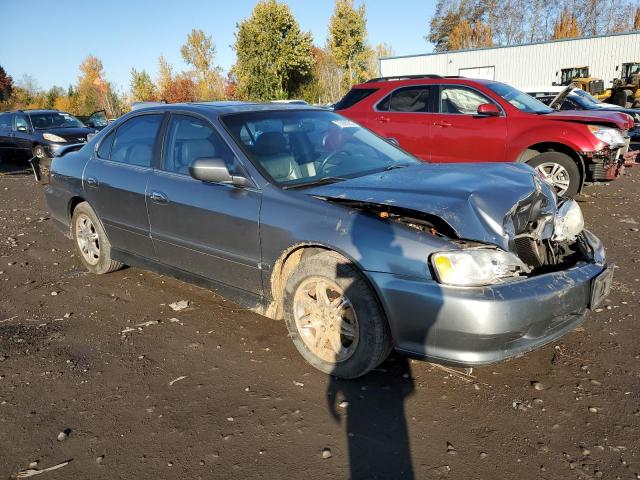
x=327 y=161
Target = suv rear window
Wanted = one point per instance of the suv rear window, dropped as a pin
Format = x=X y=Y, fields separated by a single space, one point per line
x=354 y=96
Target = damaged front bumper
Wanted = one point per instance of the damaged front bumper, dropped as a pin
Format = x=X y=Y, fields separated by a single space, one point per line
x=606 y=164
x=469 y=326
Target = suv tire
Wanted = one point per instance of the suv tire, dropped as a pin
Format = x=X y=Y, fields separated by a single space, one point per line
x=334 y=317
x=91 y=240
x=559 y=170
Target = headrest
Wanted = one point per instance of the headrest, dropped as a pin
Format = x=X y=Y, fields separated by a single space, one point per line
x=270 y=143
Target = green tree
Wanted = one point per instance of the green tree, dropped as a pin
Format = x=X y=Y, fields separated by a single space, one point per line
x=199 y=52
x=142 y=87
x=274 y=58
x=52 y=95
x=347 y=41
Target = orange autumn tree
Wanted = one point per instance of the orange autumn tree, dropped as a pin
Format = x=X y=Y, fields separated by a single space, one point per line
x=566 y=26
x=466 y=35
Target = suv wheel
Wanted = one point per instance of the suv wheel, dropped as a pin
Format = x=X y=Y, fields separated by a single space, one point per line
x=91 y=241
x=334 y=318
x=558 y=170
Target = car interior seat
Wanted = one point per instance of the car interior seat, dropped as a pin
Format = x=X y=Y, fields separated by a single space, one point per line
x=191 y=150
x=272 y=153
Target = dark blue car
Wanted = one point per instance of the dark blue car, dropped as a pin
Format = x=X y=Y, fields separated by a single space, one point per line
x=302 y=215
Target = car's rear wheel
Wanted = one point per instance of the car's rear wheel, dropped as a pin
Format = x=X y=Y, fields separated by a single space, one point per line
x=334 y=318
x=558 y=170
x=91 y=241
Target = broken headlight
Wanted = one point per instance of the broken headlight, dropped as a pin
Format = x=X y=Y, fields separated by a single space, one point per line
x=568 y=222
x=475 y=267
x=610 y=136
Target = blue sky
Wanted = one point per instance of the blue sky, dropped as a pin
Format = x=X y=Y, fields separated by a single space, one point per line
x=133 y=33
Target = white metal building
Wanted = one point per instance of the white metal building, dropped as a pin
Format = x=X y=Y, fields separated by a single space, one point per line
x=527 y=65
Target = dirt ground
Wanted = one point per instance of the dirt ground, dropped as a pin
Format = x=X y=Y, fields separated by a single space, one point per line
x=99 y=371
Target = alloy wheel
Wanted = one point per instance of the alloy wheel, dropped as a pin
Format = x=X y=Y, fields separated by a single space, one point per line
x=88 y=239
x=325 y=319
x=555 y=175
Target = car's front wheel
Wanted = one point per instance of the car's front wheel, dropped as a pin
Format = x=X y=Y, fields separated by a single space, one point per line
x=558 y=170
x=91 y=241
x=334 y=318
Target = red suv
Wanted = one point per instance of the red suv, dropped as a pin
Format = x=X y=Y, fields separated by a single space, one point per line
x=452 y=119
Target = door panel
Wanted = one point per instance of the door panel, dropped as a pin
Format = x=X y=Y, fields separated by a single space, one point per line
x=115 y=183
x=458 y=134
x=204 y=228
x=117 y=193
x=22 y=140
x=405 y=115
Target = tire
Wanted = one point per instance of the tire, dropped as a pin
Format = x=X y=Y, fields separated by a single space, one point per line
x=91 y=241
x=364 y=338
x=566 y=179
x=621 y=98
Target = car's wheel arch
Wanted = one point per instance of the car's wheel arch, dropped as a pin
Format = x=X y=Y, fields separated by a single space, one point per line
x=288 y=260
x=533 y=150
x=74 y=201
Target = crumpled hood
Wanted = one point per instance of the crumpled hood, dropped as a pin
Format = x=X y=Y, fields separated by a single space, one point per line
x=615 y=119
x=484 y=202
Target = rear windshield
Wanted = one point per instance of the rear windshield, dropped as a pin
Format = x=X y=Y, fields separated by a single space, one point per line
x=354 y=96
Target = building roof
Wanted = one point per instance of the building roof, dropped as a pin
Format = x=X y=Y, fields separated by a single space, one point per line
x=448 y=52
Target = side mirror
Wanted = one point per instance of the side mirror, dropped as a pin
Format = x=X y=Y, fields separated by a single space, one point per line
x=22 y=128
x=215 y=170
x=488 y=110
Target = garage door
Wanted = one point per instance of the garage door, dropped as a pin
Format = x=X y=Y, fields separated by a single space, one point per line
x=486 y=73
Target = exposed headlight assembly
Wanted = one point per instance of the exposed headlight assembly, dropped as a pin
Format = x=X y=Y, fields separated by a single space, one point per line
x=52 y=137
x=568 y=222
x=610 y=136
x=476 y=267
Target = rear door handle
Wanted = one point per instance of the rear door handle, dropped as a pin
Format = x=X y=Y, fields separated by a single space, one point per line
x=442 y=123
x=382 y=119
x=92 y=182
x=158 y=197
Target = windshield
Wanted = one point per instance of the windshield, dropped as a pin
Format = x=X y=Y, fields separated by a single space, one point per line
x=520 y=100
x=42 y=121
x=305 y=147
x=584 y=99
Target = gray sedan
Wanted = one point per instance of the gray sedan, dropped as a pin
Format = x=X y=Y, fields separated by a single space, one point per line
x=302 y=215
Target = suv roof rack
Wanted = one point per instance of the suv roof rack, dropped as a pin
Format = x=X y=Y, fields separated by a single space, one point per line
x=402 y=77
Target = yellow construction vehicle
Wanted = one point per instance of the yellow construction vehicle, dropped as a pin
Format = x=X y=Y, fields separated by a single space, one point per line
x=580 y=77
x=625 y=90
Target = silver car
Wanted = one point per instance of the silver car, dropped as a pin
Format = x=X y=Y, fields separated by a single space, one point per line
x=302 y=215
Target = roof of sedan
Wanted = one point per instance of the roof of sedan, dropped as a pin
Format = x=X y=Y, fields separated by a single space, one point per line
x=229 y=107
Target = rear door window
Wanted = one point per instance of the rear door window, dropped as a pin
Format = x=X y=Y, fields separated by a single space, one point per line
x=135 y=140
x=104 y=150
x=355 y=95
x=409 y=99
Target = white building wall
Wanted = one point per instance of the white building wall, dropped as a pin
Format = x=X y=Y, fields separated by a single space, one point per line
x=527 y=65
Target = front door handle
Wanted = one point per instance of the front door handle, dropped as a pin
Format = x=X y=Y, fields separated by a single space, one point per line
x=382 y=119
x=158 y=197
x=92 y=182
x=442 y=123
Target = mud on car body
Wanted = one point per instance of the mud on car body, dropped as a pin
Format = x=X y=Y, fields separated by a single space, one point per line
x=302 y=215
